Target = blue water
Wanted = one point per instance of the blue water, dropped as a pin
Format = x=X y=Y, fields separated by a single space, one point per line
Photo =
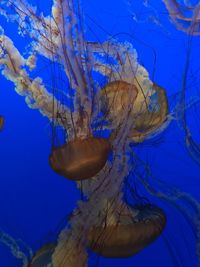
x=34 y=200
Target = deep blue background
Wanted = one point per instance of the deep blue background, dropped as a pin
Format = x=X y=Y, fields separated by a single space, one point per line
x=34 y=200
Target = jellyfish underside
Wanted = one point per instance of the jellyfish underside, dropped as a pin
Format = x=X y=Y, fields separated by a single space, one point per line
x=122 y=240
x=146 y=120
x=81 y=158
x=43 y=256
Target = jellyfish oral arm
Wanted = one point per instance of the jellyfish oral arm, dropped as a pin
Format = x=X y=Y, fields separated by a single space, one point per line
x=59 y=38
x=15 y=248
x=12 y=67
x=73 y=54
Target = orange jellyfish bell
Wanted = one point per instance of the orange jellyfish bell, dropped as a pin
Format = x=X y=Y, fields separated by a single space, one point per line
x=81 y=158
x=42 y=257
x=120 y=240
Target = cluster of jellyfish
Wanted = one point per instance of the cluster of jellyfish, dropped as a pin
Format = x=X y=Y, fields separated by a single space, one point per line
x=106 y=106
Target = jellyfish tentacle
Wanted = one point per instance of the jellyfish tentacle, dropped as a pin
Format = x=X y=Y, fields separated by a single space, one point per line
x=58 y=39
x=15 y=249
x=35 y=93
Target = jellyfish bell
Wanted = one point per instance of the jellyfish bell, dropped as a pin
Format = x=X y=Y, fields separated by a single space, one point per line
x=152 y=118
x=2 y=121
x=43 y=256
x=119 y=92
x=149 y=108
x=81 y=158
x=127 y=237
x=116 y=96
x=124 y=239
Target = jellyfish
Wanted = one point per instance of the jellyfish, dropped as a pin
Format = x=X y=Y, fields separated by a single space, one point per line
x=186 y=18
x=87 y=162
x=184 y=15
x=16 y=248
x=124 y=102
x=150 y=108
x=80 y=159
x=1 y=122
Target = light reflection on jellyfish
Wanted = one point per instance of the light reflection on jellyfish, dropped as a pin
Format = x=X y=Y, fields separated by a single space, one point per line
x=124 y=102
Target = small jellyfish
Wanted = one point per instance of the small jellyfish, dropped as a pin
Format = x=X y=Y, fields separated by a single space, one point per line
x=2 y=120
x=128 y=233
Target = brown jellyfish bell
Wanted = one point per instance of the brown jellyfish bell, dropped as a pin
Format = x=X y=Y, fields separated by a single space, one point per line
x=81 y=158
x=127 y=232
x=149 y=109
x=2 y=120
x=43 y=256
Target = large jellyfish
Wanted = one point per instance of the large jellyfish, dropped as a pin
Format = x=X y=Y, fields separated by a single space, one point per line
x=105 y=105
